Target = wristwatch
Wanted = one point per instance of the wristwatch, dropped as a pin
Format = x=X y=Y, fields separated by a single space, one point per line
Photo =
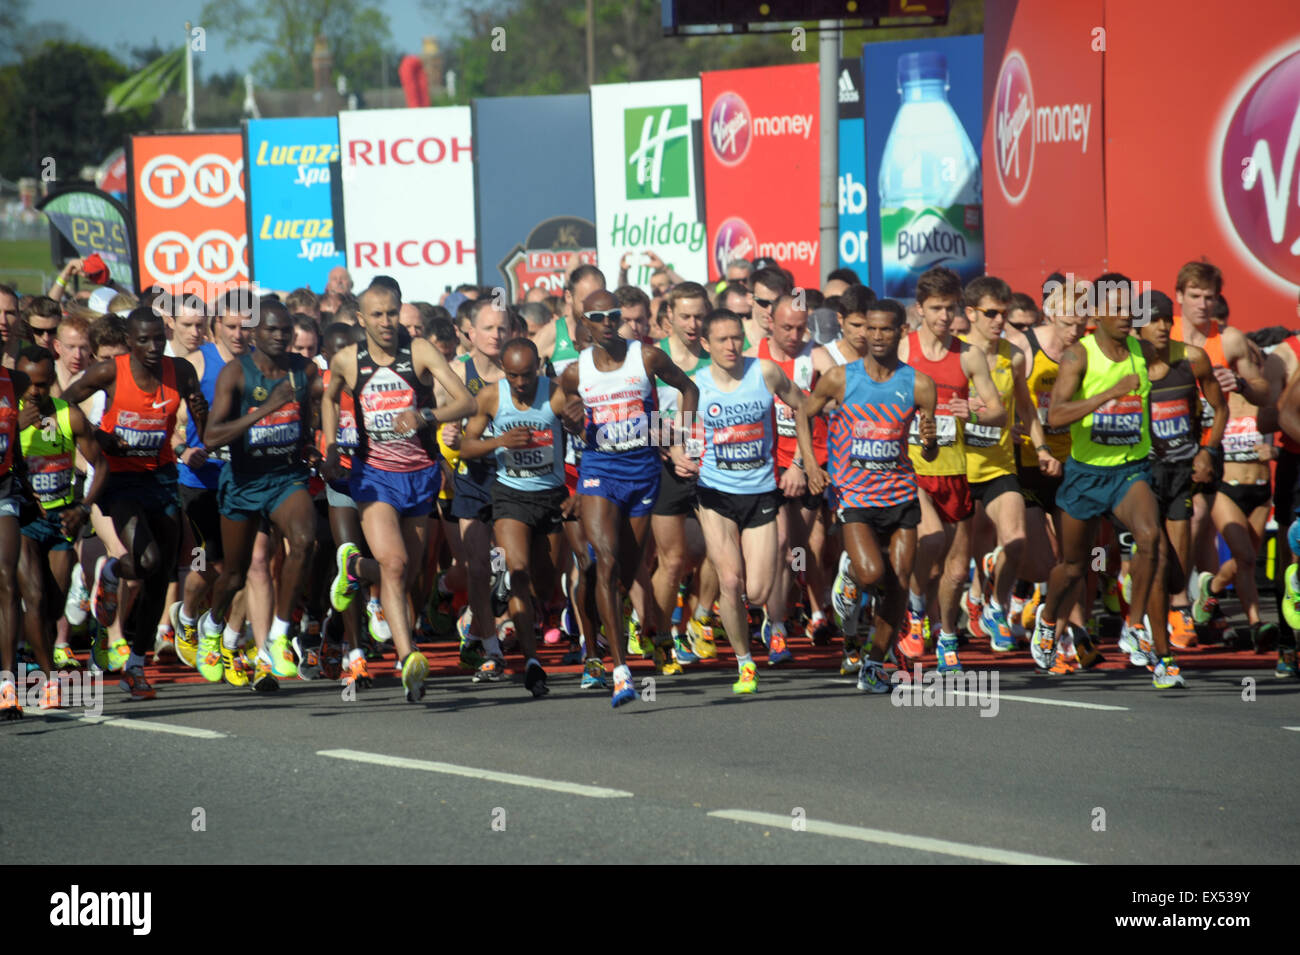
x=180 y=449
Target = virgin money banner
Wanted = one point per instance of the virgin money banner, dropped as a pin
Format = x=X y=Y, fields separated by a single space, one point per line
x=187 y=199
x=644 y=149
x=290 y=217
x=1044 y=199
x=408 y=198
x=761 y=168
x=1202 y=159
x=550 y=214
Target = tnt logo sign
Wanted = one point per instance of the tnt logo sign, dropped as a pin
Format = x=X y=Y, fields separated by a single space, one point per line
x=657 y=144
x=211 y=180
x=213 y=256
x=1257 y=168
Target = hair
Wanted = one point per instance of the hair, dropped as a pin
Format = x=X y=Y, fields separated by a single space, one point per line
x=1201 y=275
x=273 y=306
x=42 y=306
x=1056 y=277
x=465 y=310
x=339 y=328
x=684 y=291
x=1057 y=296
x=745 y=264
x=430 y=313
x=776 y=279
x=349 y=306
x=306 y=323
x=1107 y=281
x=521 y=342
x=107 y=331
x=142 y=314
x=632 y=295
x=1020 y=302
x=9 y=290
x=856 y=299
x=719 y=315
x=35 y=354
x=477 y=306
x=938 y=282
x=555 y=303
x=386 y=282
x=237 y=301
x=986 y=286
x=891 y=307
x=443 y=330
x=584 y=272
x=1220 y=309
x=813 y=298
x=301 y=300
x=535 y=313
x=844 y=275
x=75 y=323
x=791 y=299
x=464 y=287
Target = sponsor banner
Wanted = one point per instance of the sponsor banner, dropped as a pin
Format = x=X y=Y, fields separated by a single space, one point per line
x=525 y=145
x=94 y=223
x=1044 y=199
x=924 y=177
x=187 y=199
x=854 y=194
x=761 y=168
x=1222 y=143
x=408 y=198
x=290 y=218
x=645 y=143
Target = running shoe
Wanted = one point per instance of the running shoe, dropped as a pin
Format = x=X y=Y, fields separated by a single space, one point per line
x=1125 y=593
x=1085 y=648
x=471 y=647
x=164 y=642
x=232 y=668
x=845 y=596
x=1264 y=637
x=764 y=632
x=575 y=655
x=1166 y=674
x=1291 y=599
x=134 y=683
x=344 y=585
x=187 y=636
x=50 y=696
x=308 y=659
x=912 y=643
x=701 y=637
x=1206 y=606
x=491 y=671
x=9 y=708
x=535 y=680
x=264 y=680
x=999 y=631
x=77 y=607
x=376 y=622
x=103 y=598
x=624 y=692
x=748 y=682
x=281 y=656
x=682 y=651
x=1182 y=631
x=634 y=646
x=593 y=675
x=1066 y=661
x=414 y=669
x=119 y=651
x=851 y=662
x=665 y=664
x=1042 y=646
x=1110 y=593
x=210 y=664
x=356 y=673
x=777 y=651
x=946 y=650
x=99 y=658
x=872 y=678
x=975 y=618
x=1286 y=663
x=1029 y=615
x=331 y=661
x=1135 y=642
x=64 y=658
x=820 y=631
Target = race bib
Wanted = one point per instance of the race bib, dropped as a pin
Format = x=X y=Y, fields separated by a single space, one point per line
x=50 y=477
x=1171 y=422
x=536 y=460
x=982 y=435
x=739 y=447
x=945 y=428
x=621 y=426
x=1240 y=439
x=347 y=439
x=276 y=434
x=876 y=446
x=1118 y=422
x=785 y=426
x=140 y=434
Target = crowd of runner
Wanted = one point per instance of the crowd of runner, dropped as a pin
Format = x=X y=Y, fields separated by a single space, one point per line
x=278 y=486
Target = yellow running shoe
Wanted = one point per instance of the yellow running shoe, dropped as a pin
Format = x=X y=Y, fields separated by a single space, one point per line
x=748 y=682
x=282 y=662
x=414 y=669
x=187 y=636
x=665 y=663
x=264 y=680
x=210 y=667
x=119 y=651
x=701 y=637
x=232 y=667
x=64 y=659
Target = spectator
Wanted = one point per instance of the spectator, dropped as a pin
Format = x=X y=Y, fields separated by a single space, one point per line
x=303 y=301
x=306 y=336
x=1023 y=313
x=337 y=287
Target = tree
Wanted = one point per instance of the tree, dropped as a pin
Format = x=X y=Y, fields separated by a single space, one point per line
x=51 y=106
x=12 y=14
x=357 y=32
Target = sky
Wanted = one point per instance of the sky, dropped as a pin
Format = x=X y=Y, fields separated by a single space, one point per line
x=120 y=26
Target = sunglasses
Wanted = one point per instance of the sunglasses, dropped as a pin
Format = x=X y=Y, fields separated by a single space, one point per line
x=764 y=302
x=611 y=315
x=992 y=312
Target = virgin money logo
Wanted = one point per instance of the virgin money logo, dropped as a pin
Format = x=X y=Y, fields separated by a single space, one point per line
x=729 y=129
x=734 y=240
x=1013 y=129
x=1257 y=168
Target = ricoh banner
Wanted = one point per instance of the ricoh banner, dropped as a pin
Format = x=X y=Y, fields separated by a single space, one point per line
x=290 y=217
x=408 y=198
x=761 y=168
x=645 y=148
x=187 y=199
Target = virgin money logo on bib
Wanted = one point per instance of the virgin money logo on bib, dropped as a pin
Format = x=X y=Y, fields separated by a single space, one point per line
x=1013 y=128
x=729 y=129
x=1257 y=169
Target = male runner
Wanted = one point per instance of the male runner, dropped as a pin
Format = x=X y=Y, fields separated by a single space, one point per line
x=737 y=488
x=395 y=475
x=13 y=498
x=144 y=390
x=1101 y=392
x=877 y=399
x=71 y=351
x=620 y=469
x=263 y=412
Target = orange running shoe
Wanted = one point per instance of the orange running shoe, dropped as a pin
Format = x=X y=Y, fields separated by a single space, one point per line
x=1182 y=631
x=50 y=696
x=9 y=708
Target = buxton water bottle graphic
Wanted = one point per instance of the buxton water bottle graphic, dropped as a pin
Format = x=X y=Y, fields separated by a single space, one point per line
x=931 y=209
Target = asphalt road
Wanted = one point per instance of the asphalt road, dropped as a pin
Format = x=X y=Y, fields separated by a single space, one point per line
x=1097 y=768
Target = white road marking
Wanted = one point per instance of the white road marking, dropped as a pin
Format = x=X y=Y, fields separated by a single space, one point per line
x=451 y=769
x=901 y=840
x=149 y=726
x=1022 y=699
x=1294 y=729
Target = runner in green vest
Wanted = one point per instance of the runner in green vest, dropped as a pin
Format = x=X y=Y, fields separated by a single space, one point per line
x=1102 y=393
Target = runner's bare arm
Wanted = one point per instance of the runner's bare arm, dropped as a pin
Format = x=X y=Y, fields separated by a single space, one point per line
x=427 y=358
x=976 y=366
x=1027 y=415
x=222 y=429
x=472 y=443
x=926 y=397
x=97 y=377
x=779 y=383
x=659 y=364
x=84 y=435
x=1064 y=409
x=1244 y=360
x=187 y=383
x=1214 y=395
x=829 y=388
x=1289 y=409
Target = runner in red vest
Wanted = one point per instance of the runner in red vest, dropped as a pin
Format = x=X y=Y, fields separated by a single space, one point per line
x=13 y=499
